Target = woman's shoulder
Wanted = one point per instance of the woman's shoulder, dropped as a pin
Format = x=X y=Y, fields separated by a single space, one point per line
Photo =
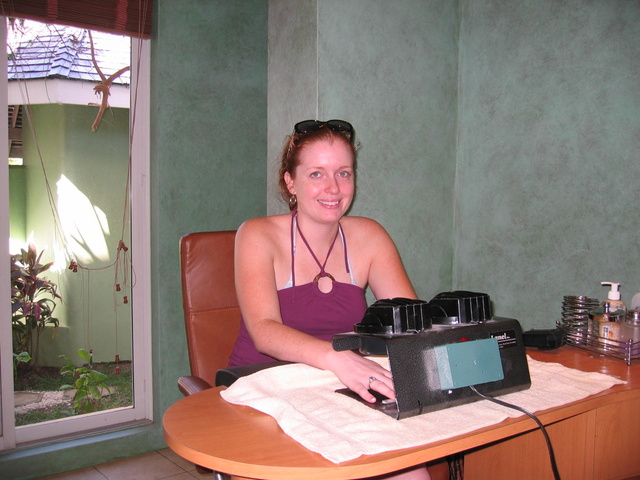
x=365 y=233
x=362 y=226
x=268 y=228
x=269 y=221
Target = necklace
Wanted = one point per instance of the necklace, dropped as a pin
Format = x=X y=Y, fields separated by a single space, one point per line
x=321 y=265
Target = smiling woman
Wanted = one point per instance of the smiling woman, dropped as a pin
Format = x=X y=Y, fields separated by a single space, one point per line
x=323 y=181
x=297 y=282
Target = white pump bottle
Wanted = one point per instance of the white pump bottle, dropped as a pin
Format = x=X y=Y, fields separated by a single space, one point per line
x=613 y=298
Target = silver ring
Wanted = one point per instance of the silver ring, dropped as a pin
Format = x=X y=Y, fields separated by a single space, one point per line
x=372 y=379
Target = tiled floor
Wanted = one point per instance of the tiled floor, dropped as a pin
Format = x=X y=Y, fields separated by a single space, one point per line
x=160 y=465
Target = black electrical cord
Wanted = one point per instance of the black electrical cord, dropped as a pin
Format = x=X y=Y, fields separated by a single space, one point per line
x=552 y=456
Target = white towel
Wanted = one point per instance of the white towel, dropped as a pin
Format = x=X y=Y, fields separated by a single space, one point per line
x=303 y=401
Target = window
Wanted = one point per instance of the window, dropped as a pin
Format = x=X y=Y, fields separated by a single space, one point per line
x=68 y=196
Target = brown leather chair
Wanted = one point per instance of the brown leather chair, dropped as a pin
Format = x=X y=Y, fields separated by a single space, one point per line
x=211 y=311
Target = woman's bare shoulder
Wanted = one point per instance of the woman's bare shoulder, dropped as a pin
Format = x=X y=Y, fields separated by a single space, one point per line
x=367 y=235
x=263 y=229
x=362 y=226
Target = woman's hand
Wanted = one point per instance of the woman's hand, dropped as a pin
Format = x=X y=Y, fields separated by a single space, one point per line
x=359 y=374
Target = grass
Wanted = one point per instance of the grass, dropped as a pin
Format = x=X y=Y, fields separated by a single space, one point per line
x=62 y=410
x=48 y=379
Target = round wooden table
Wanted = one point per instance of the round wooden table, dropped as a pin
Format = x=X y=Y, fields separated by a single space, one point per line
x=206 y=430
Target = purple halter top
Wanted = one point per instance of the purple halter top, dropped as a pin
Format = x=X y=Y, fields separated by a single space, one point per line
x=307 y=309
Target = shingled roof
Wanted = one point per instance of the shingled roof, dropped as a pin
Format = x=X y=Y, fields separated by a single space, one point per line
x=54 y=51
x=40 y=55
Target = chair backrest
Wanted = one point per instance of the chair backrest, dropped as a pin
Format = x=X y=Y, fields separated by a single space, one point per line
x=211 y=311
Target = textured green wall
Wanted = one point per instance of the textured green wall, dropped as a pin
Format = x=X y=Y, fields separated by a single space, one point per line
x=548 y=163
x=293 y=81
x=391 y=70
x=209 y=119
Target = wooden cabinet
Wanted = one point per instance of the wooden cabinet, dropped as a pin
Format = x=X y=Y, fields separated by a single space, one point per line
x=616 y=452
x=600 y=444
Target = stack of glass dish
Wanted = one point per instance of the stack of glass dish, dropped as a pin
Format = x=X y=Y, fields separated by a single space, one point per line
x=575 y=318
x=583 y=332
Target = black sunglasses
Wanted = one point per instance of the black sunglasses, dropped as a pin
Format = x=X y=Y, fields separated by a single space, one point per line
x=308 y=126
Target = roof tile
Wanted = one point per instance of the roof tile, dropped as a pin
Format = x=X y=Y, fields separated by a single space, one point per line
x=65 y=52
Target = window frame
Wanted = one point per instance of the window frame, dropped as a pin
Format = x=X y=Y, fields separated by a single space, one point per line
x=142 y=410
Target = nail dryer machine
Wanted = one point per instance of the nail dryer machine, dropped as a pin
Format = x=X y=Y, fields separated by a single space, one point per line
x=438 y=349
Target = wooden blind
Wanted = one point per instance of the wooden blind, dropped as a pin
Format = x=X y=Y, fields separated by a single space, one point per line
x=122 y=17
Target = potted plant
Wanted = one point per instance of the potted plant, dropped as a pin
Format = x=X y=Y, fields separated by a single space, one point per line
x=33 y=301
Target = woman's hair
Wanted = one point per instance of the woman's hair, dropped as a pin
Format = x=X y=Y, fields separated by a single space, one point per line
x=293 y=147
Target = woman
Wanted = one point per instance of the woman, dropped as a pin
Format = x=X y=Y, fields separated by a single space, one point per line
x=301 y=277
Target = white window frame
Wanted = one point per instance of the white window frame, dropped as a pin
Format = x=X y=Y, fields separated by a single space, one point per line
x=142 y=410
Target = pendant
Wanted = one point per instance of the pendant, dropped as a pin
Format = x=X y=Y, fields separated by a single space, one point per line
x=324 y=282
x=325 y=274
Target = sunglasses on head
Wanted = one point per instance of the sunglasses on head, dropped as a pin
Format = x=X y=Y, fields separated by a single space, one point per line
x=308 y=126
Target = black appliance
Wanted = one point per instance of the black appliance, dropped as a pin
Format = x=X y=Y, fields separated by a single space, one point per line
x=438 y=349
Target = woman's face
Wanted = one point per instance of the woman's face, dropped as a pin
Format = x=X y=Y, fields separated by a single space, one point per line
x=324 y=180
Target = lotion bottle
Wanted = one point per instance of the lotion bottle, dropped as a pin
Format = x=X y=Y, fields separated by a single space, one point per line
x=609 y=327
x=614 y=313
x=613 y=298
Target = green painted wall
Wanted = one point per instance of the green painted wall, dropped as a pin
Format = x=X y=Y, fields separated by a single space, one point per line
x=209 y=119
x=86 y=172
x=549 y=135
x=17 y=195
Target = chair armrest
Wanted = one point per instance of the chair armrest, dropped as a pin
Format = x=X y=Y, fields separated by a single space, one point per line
x=191 y=384
x=226 y=376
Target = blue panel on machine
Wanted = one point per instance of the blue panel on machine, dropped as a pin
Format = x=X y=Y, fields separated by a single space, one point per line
x=468 y=363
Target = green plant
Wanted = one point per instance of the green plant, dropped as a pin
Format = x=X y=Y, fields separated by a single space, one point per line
x=49 y=379
x=88 y=384
x=33 y=300
x=22 y=357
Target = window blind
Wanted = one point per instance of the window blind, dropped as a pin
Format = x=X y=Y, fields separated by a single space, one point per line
x=122 y=17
